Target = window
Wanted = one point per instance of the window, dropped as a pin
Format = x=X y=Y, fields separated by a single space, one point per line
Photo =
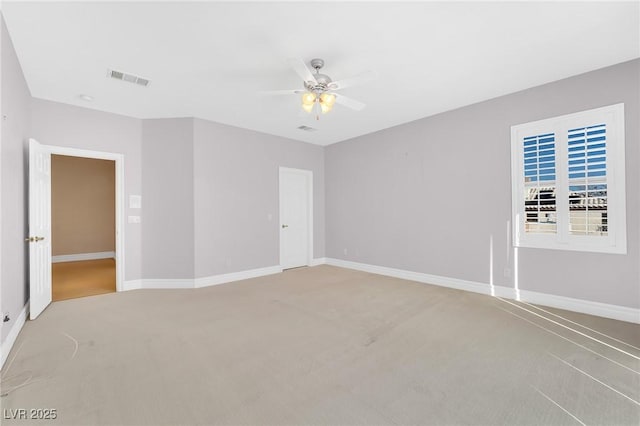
x=568 y=182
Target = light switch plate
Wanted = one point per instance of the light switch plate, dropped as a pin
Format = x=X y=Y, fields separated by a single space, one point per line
x=134 y=219
x=135 y=201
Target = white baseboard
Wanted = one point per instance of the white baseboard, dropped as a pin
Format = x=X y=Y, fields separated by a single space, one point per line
x=132 y=285
x=157 y=284
x=621 y=313
x=318 y=261
x=505 y=292
x=236 y=276
x=413 y=276
x=199 y=282
x=83 y=256
x=166 y=283
x=13 y=334
x=617 y=312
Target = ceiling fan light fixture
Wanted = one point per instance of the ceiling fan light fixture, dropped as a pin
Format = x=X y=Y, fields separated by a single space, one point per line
x=324 y=108
x=328 y=99
x=319 y=88
x=308 y=98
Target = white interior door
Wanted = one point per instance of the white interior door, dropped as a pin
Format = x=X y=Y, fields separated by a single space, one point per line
x=296 y=220
x=39 y=238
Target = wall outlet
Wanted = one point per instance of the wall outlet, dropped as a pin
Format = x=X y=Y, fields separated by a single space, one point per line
x=134 y=219
x=507 y=272
x=344 y=251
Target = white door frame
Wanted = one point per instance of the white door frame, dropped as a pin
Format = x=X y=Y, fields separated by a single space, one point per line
x=120 y=202
x=309 y=175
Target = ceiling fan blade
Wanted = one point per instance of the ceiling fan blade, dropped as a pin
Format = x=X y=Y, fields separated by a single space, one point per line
x=365 y=77
x=301 y=69
x=349 y=103
x=283 y=92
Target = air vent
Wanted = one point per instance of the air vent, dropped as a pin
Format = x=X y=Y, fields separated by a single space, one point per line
x=307 y=128
x=119 y=75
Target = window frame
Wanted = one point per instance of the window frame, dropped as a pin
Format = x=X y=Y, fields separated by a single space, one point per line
x=562 y=239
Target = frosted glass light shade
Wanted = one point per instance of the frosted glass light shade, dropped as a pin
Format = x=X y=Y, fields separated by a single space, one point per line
x=328 y=99
x=308 y=98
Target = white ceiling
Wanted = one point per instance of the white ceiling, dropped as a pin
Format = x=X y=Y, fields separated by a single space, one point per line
x=212 y=59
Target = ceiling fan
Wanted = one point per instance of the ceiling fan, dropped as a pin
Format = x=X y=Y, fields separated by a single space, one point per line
x=318 y=93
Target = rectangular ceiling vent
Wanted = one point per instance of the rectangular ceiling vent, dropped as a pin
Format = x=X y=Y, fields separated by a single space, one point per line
x=307 y=128
x=119 y=75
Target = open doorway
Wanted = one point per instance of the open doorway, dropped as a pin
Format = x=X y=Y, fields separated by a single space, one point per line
x=39 y=237
x=83 y=226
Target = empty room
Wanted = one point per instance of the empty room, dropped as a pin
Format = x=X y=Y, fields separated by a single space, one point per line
x=320 y=213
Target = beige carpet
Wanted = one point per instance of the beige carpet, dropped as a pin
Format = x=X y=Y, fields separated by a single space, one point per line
x=321 y=346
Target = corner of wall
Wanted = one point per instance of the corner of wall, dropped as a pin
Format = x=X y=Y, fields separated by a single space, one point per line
x=14 y=130
x=12 y=335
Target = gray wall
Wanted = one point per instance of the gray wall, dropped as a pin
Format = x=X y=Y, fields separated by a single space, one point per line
x=429 y=196
x=59 y=124
x=167 y=202
x=236 y=196
x=15 y=105
x=208 y=191
x=167 y=161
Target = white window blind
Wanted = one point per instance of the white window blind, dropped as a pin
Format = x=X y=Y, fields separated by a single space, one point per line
x=587 y=163
x=539 y=156
x=568 y=182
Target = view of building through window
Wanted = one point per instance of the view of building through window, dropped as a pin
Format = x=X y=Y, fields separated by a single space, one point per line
x=540 y=184
x=587 y=179
x=587 y=162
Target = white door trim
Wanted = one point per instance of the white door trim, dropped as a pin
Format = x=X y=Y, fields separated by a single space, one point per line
x=309 y=176
x=120 y=201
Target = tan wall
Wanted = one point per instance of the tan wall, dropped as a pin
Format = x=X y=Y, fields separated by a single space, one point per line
x=82 y=205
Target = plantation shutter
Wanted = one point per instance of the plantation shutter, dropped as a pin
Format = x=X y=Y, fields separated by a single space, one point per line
x=568 y=182
x=587 y=165
x=539 y=152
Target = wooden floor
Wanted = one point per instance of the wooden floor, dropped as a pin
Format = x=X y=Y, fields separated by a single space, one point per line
x=81 y=279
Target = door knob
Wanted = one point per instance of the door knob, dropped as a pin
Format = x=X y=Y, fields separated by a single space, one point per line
x=285 y=226
x=34 y=239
